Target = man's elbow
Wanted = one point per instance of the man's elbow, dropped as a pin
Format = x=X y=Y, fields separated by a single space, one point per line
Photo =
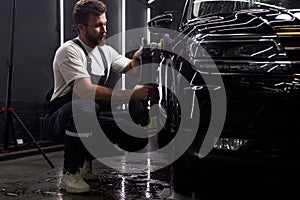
x=85 y=92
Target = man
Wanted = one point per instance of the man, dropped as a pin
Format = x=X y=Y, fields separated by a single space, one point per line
x=74 y=72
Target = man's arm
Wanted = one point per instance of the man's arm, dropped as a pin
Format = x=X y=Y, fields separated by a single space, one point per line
x=86 y=90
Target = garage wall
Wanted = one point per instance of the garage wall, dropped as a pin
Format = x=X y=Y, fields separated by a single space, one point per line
x=36 y=38
x=5 y=17
x=169 y=6
x=69 y=31
x=136 y=18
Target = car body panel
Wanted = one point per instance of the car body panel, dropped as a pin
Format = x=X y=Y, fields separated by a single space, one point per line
x=255 y=48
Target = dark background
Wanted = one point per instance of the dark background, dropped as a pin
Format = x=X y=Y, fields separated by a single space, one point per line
x=36 y=40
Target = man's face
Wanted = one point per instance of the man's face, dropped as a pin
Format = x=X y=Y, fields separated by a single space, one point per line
x=96 y=30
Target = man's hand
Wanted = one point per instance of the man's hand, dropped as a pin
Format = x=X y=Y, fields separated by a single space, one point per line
x=135 y=61
x=141 y=93
x=137 y=55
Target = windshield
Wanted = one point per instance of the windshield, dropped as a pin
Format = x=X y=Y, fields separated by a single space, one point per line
x=205 y=7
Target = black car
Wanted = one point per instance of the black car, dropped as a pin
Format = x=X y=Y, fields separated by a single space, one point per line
x=255 y=46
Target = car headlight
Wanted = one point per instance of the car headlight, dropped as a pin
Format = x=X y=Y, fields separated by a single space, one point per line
x=239 y=55
x=231 y=144
x=238 y=49
x=234 y=66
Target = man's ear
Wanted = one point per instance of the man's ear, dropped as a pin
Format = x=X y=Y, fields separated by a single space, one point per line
x=81 y=28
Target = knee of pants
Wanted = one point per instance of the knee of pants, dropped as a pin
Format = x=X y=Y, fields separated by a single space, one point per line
x=85 y=107
x=84 y=115
x=79 y=113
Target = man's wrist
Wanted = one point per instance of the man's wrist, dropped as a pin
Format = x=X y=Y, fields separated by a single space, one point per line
x=121 y=96
x=136 y=61
x=136 y=58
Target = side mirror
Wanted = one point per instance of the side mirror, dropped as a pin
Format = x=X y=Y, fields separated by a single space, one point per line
x=161 y=21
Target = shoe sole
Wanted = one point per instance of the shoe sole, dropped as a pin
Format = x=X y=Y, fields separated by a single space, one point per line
x=74 y=191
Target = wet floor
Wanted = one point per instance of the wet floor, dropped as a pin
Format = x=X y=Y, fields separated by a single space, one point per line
x=32 y=178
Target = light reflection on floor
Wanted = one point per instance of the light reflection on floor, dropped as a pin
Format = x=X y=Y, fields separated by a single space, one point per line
x=30 y=178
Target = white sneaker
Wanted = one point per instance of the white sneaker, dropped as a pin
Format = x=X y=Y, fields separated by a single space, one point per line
x=86 y=171
x=74 y=183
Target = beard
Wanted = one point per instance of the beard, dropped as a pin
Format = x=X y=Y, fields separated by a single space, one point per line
x=96 y=40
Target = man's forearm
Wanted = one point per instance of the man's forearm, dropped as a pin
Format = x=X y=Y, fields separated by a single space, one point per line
x=135 y=61
x=85 y=90
x=132 y=64
x=107 y=95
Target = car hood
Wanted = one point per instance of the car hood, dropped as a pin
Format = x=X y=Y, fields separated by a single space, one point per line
x=258 y=21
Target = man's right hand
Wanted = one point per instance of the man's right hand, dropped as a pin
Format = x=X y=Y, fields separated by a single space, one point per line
x=141 y=93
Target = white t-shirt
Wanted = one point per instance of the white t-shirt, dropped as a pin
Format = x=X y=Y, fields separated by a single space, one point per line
x=70 y=64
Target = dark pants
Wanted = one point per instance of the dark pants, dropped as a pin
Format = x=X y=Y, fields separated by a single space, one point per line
x=62 y=120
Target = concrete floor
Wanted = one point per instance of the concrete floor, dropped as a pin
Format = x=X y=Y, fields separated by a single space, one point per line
x=32 y=178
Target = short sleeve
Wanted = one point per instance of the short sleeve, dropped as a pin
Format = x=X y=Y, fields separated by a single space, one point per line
x=69 y=65
x=73 y=66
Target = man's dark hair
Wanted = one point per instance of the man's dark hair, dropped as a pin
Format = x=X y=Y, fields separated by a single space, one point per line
x=83 y=8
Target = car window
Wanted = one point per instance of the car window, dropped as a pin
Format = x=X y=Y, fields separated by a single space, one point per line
x=205 y=7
